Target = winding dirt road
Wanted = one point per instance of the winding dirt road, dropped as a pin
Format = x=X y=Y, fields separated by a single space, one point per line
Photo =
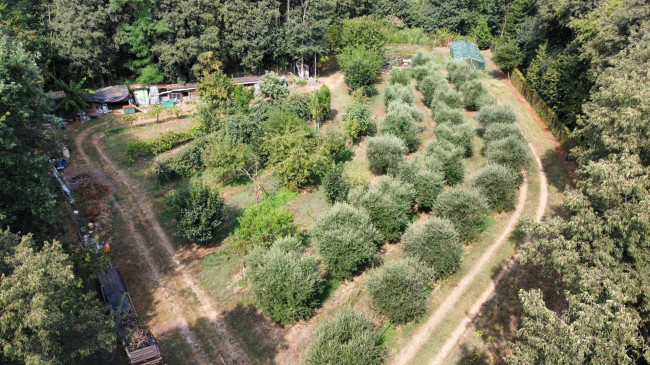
x=214 y=344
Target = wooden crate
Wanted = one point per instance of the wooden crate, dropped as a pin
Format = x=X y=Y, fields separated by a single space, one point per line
x=149 y=355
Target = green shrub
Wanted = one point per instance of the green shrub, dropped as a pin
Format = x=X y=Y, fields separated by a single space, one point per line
x=421 y=58
x=498 y=113
x=273 y=86
x=466 y=208
x=499 y=185
x=446 y=115
x=228 y=159
x=460 y=72
x=472 y=92
x=511 y=152
x=397 y=92
x=360 y=66
x=430 y=84
x=461 y=135
x=399 y=290
x=426 y=183
x=444 y=156
x=435 y=243
x=198 y=211
x=347 y=337
x=245 y=128
x=399 y=122
x=136 y=150
x=497 y=131
x=389 y=204
x=186 y=162
x=336 y=185
x=416 y=113
x=358 y=121
x=243 y=97
x=385 y=153
x=346 y=240
x=286 y=284
x=297 y=104
x=485 y=100
x=401 y=77
x=430 y=68
x=263 y=223
x=448 y=96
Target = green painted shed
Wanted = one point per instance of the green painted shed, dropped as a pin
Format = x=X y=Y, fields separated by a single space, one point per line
x=469 y=52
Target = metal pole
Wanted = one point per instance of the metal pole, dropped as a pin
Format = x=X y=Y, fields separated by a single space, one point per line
x=315 y=75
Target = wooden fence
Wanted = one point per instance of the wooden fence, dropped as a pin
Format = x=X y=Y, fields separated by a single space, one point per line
x=548 y=116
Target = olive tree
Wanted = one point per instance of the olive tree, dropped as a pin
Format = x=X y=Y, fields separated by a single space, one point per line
x=472 y=92
x=499 y=185
x=466 y=207
x=446 y=115
x=462 y=136
x=436 y=243
x=358 y=121
x=398 y=92
x=427 y=183
x=385 y=153
x=198 y=211
x=444 y=156
x=498 y=131
x=497 y=113
x=510 y=151
x=399 y=122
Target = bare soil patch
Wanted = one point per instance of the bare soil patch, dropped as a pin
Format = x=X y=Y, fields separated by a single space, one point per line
x=92 y=190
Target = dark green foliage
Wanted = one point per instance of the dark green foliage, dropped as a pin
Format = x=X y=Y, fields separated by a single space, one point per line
x=208 y=116
x=399 y=290
x=444 y=156
x=401 y=77
x=336 y=185
x=398 y=92
x=363 y=32
x=499 y=185
x=460 y=72
x=466 y=208
x=263 y=223
x=347 y=337
x=229 y=159
x=286 y=283
x=320 y=105
x=435 y=243
x=446 y=115
x=360 y=66
x=498 y=113
x=508 y=56
x=299 y=104
x=399 y=122
x=448 y=96
x=346 y=240
x=461 y=135
x=198 y=211
x=385 y=153
x=358 y=121
x=44 y=316
x=482 y=34
x=184 y=163
x=214 y=85
x=473 y=91
x=136 y=150
x=243 y=96
x=430 y=84
x=497 y=131
x=74 y=100
x=427 y=183
x=273 y=86
x=511 y=152
x=389 y=203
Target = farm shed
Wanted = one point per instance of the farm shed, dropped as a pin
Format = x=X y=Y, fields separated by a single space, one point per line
x=110 y=95
x=113 y=290
x=469 y=52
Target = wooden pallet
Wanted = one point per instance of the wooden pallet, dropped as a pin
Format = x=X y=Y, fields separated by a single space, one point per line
x=149 y=355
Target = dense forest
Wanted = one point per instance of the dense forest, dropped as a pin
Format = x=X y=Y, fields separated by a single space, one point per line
x=588 y=60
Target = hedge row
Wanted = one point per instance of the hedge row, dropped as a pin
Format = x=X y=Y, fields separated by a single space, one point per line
x=162 y=143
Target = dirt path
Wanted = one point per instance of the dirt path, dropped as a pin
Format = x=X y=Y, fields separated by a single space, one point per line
x=489 y=292
x=423 y=333
x=137 y=209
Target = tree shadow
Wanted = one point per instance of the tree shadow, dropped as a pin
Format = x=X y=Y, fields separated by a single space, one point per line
x=498 y=74
x=261 y=337
x=472 y=356
x=556 y=170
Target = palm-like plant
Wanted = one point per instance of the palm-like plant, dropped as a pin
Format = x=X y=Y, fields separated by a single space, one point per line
x=74 y=100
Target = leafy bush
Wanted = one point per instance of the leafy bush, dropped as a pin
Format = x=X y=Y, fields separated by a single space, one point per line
x=336 y=185
x=401 y=77
x=389 y=204
x=511 y=152
x=467 y=208
x=399 y=122
x=459 y=72
x=462 y=136
x=186 y=162
x=444 y=156
x=208 y=116
x=357 y=121
x=427 y=184
x=136 y=150
x=435 y=243
x=360 y=66
x=399 y=290
x=346 y=240
x=497 y=131
x=198 y=211
x=347 y=337
x=485 y=100
x=472 y=92
x=170 y=139
x=421 y=58
x=446 y=115
x=498 y=113
x=498 y=184
x=364 y=31
x=228 y=159
x=448 y=96
x=243 y=97
x=397 y=92
x=430 y=84
x=263 y=223
x=385 y=153
x=286 y=284
x=273 y=86
x=297 y=104
x=420 y=72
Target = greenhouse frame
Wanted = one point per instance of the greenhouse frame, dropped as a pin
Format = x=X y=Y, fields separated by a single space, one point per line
x=469 y=52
